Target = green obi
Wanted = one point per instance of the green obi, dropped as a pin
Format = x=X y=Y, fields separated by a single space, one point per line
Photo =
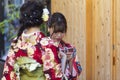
x=22 y=67
x=34 y=75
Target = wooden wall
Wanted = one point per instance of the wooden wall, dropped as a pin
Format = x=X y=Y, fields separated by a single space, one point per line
x=75 y=13
x=94 y=28
x=117 y=39
x=102 y=39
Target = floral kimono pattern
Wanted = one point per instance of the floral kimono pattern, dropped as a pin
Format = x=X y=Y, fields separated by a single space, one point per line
x=73 y=72
x=52 y=61
x=32 y=59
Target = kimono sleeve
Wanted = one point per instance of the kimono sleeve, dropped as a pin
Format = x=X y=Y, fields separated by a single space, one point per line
x=8 y=72
x=51 y=64
x=76 y=63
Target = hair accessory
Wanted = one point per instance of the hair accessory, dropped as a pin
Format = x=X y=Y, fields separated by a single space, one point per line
x=59 y=19
x=30 y=21
x=34 y=12
x=37 y=20
x=45 y=15
x=25 y=14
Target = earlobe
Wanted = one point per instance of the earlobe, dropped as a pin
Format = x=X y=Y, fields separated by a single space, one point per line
x=48 y=29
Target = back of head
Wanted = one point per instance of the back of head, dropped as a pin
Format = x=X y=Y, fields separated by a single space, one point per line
x=58 y=22
x=31 y=14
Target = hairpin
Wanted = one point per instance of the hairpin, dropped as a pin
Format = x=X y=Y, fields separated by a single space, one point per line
x=25 y=14
x=37 y=20
x=34 y=12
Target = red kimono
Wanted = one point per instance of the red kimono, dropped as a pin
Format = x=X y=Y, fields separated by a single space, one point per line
x=31 y=56
x=73 y=67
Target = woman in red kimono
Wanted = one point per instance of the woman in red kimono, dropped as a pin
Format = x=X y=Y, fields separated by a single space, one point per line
x=57 y=26
x=29 y=57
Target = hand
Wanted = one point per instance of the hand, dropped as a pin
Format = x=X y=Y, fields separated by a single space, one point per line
x=63 y=60
x=69 y=55
x=64 y=77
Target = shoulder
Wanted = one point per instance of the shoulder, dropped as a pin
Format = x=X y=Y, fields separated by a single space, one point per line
x=41 y=34
x=44 y=41
x=66 y=44
x=47 y=41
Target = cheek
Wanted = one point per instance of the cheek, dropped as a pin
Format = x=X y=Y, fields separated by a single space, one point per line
x=60 y=37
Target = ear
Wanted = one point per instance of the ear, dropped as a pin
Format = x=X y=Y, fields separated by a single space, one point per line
x=48 y=29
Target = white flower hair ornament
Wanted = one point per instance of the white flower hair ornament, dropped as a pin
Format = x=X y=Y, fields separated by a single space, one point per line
x=45 y=15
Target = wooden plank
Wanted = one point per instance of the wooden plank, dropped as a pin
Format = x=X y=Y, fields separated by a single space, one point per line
x=75 y=12
x=90 y=30
x=114 y=39
x=102 y=39
x=117 y=16
x=89 y=53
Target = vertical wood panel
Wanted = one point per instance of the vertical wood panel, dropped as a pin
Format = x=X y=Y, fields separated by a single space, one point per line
x=89 y=53
x=75 y=13
x=102 y=41
x=93 y=27
x=113 y=39
x=117 y=16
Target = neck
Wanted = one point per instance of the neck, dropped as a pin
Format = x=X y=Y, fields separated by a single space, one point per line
x=32 y=29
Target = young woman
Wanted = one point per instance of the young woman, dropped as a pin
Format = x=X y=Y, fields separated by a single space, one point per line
x=57 y=26
x=29 y=58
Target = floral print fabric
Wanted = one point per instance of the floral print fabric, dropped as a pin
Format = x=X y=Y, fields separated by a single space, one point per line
x=72 y=71
x=31 y=52
x=52 y=62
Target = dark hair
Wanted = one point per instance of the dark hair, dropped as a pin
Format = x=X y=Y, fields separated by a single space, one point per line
x=58 y=22
x=30 y=16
